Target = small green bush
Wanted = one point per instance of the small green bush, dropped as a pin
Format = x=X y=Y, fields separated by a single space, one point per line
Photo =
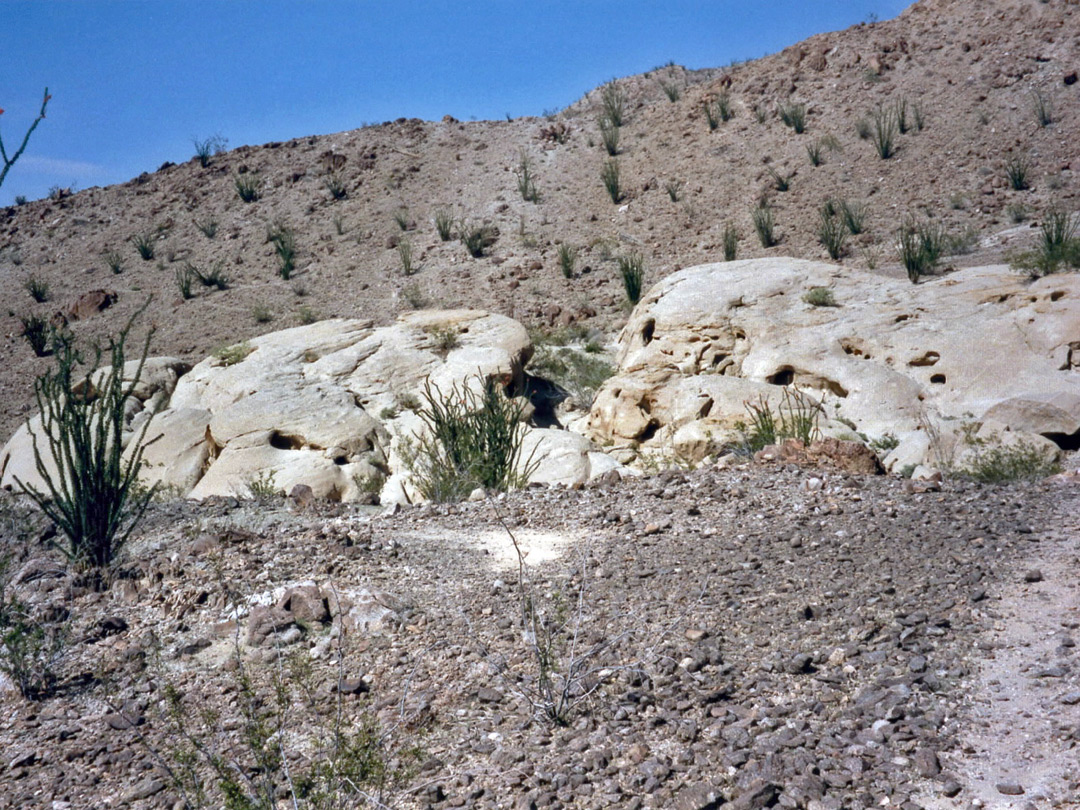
x=884 y=132
x=613 y=102
x=673 y=187
x=208 y=147
x=262 y=313
x=91 y=495
x=781 y=182
x=993 y=462
x=284 y=240
x=444 y=224
x=401 y=218
x=473 y=438
x=813 y=151
x=144 y=244
x=185 y=277
x=1018 y=212
x=38 y=289
x=609 y=174
x=632 y=270
x=796 y=418
x=335 y=184
x=526 y=181
x=1058 y=246
x=477 y=238
x=231 y=355
x=1016 y=171
x=579 y=373
x=248 y=187
x=920 y=246
x=900 y=113
x=39 y=333
x=567 y=259
x=730 y=241
x=114 y=261
x=1043 y=108
x=671 y=90
x=214 y=277
x=405 y=254
x=609 y=136
x=764 y=224
x=831 y=231
x=793 y=115
x=820 y=297
x=29 y=648
x=207 y=225
x=854 y=216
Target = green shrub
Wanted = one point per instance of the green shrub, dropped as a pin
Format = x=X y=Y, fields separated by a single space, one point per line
x=580 y=373
x=567 y=259
x=1043 y=108
x=863 y=129
x=92 y=495
x=29 y=648
x=671 y=90
x=884 y=132
x=900 y=113
x=609 y=136
x=917 y=116
x=854 y=215
x=613 y=102
x=764 y=225
x=820 y=297
x=247 y=187
x=472 y=439
x=781 y=182
x=206 y=148
x=214 y=277
x=39 y=334
x=1016 y=171
x=335 y=184
x=831 y=231
x=231 y=355
x=477 y=238
x=401 y=218
x=262 y=487
x=609 y=174
x=673 y=187
x=796 y=418
x=730 y=240
x=1058 y=246
x=38 y=289
x=993 y=462
x=526 y=182
x=114 y=261
x=284 y=240
x=444 y=224
x=144 y=244
x=632 y=270
x=813 y=151
x=1018 y=212
x=405 y=254
x=793 y=115
x=185 y=276
x=920 y=245
x=207 y=225
x=262 y=313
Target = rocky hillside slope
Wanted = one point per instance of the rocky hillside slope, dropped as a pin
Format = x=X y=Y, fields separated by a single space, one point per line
x=969 y=76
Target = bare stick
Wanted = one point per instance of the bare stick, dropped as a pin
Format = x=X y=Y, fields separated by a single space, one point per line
x=9 y=162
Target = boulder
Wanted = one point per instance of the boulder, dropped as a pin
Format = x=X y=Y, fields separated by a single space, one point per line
x=330 y=406
x=706 y=343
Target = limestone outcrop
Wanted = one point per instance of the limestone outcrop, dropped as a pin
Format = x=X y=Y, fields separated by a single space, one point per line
x=978 y=352
x=325 y=405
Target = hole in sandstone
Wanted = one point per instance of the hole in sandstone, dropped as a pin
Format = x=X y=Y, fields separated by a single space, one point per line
x=649 y=431
x=785 y=376
x=647 y=332
x=705 y=408
x=1066 y=441
x=281 y=441
x=853 y=348
x=1057 y=295
x=900 y=318
x=928 y=359
x=719 y=358
x=937 y=379
x=341 y=461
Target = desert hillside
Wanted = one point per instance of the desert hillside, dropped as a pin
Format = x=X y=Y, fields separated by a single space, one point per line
x=972 y=80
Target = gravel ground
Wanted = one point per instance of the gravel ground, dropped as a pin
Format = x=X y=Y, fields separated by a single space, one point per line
x=751 y=637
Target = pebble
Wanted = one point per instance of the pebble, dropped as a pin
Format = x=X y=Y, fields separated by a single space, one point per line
x=1010 y=788
x=1033 y=575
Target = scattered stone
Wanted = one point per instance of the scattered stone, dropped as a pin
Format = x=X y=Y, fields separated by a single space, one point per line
x=1033 y=575
x=1010 y=788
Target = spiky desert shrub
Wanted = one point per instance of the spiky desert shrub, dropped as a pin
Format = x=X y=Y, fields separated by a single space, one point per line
x=91 y=494
x=567 y=254
x=609 y=174
x=38 y=333
x=208 y=147
x=1043 y=109
x=1058 y=246
x=793 y=115
x=853 y=214
x=831 y=231
x=796 y=417
x=820 y=297
x=884 y=132
x=730 y=240
x=144 y=244
x=613 y=102
x=472 y=438
x=609 y=135
x=1016 y=172
x=673 y=187
x=248 y=187
x=632 y=271
x=477 y=238
x=284 y=240
x=526 y=181
x=444 y=224
x=920 y=245
x=764 y=224
x=336 y=186
x=38 y=289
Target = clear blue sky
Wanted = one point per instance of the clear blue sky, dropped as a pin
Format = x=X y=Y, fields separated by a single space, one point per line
x=134 y=81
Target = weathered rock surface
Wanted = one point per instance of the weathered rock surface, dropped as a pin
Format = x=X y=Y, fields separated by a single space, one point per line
x=324 y=406
x=981 y=345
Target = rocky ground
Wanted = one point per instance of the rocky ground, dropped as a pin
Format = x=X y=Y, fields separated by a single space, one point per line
x=757 y=636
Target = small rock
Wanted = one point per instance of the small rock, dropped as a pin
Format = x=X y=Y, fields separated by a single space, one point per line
x=477 y=494
x=951 y=788
x=122 y=722
x=353 y=685
x=301 y=497
x=1033 y=575
x=926 y=763
x=1071 y=699
x=144 y=790
x=1010 y=788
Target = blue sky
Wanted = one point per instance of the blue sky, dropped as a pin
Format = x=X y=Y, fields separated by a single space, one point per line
x=134 y=81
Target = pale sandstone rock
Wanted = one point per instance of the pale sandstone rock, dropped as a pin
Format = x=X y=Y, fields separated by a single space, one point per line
x=892 y=358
